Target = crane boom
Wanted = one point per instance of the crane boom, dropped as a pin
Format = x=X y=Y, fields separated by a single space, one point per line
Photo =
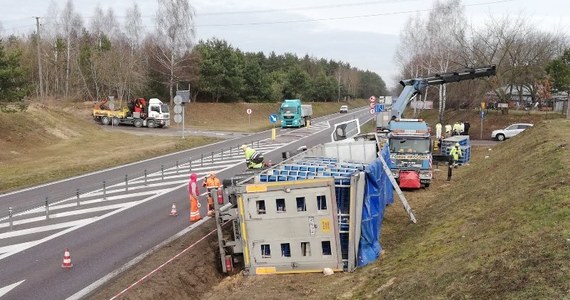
x=413 y=87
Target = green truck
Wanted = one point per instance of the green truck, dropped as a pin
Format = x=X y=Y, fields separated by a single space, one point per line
x=295 y=114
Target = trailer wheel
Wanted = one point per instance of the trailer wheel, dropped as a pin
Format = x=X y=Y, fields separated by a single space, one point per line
x=138 y=123
x=150 y=124
x=105 y=120
x=116 y=121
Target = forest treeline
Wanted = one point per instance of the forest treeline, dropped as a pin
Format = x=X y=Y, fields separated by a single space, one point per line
x=92 y=58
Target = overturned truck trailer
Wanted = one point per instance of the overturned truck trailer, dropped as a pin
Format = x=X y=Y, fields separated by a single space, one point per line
x=322 y=208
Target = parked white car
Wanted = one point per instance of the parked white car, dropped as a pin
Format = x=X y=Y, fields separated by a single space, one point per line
x=344 y=109
x=509 y=131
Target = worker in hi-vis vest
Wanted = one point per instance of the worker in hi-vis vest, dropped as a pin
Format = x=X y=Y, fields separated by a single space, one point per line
x=253 y=158
x=211 y=182
x=455 y=154
x=193 y=195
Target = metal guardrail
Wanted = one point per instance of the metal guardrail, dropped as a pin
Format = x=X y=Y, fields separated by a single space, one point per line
x=8 y=215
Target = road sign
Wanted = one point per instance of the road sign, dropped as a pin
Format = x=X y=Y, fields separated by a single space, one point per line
x=177 y=118
x=379 y=107
x=482 y=114
x=372 y=99
x=177 y=109
x=371 y=105
x=177 y=99
x=184 y=95
x=273 y=118
x=248 y=111
x=372 y=111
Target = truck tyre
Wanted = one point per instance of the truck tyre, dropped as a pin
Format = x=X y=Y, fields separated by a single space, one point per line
x=150 y=123
x=116 y=121
x=500 y=137
x=138 y=123
x=105 y=120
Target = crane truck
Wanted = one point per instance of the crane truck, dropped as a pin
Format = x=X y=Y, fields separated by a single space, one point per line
x=138 y=112
x=409 y=139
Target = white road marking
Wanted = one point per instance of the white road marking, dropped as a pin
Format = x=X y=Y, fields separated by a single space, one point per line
x=174 y=179
x=6 y=289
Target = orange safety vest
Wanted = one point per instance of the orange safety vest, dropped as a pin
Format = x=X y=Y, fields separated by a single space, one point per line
x=210 y=183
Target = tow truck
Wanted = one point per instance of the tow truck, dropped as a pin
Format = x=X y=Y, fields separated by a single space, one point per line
x=409 y=139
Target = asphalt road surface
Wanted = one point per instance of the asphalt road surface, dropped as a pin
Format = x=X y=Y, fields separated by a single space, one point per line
x=108 y=218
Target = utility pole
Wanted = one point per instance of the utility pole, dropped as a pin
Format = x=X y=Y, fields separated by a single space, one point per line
x=39 y=59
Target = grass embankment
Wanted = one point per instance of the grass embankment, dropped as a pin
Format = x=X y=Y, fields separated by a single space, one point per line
x=233 y=116
x=43 y=144
x=57 y=140
x=499 y=230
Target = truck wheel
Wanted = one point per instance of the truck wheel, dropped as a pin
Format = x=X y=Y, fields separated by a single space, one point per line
x=500 y=137
x=138 y=123
x=116 y=121
x=150 y=124
x=105 y=120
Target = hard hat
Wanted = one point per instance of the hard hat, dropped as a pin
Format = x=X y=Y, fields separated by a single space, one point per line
x=243 y=147
x=457 y=144
x=212 y=174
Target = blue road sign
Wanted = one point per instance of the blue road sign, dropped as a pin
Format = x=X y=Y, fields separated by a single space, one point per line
x=273 y=118
x=482 y=114
x=379 y=107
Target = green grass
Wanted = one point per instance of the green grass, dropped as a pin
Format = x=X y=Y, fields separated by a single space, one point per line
x=500 y=230
x=233 y=116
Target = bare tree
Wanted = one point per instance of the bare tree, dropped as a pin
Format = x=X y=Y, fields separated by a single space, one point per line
x=430 y=45
x=444 y=28
x=175 y=30
x=133 y=36
x=71 y=24
x=519 y=50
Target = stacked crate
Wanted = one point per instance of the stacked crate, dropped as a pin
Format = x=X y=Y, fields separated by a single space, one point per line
x=311 y=167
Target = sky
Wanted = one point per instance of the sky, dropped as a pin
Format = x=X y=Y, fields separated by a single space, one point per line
x=364 y=33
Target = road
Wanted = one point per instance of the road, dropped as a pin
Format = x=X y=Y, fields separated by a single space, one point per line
x=108 y=218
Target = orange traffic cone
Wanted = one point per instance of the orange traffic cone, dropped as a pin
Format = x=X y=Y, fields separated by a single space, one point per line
x=194 y=210
x=66 y=260
x=173 y=212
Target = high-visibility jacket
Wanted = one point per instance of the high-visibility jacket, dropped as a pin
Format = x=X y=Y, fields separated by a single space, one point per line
x=248 y=152
x=212 y=182
x=455 y=153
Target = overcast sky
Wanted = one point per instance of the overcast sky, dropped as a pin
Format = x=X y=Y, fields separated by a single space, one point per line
x=364 y=33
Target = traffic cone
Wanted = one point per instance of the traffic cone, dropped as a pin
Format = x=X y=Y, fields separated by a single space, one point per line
x=194 y=210
x=173 y=212
x=66 y=260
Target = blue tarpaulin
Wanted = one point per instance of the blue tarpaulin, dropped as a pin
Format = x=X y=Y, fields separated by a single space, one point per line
x=377 y=195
